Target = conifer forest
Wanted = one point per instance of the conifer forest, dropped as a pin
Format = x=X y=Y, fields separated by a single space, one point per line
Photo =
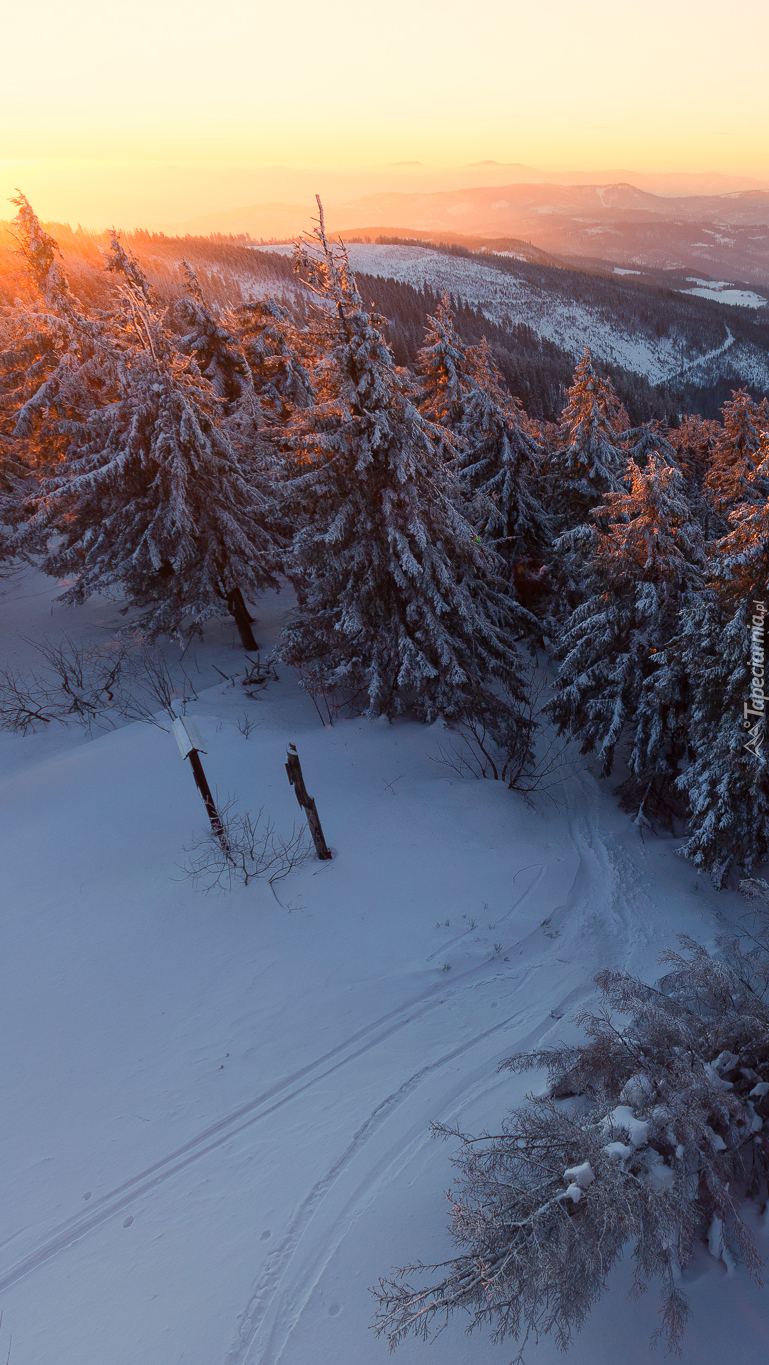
x=503 y=595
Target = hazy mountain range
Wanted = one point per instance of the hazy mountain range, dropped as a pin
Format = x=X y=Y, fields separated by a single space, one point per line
x=725 y=234
x=158 y=196
x=705 y=224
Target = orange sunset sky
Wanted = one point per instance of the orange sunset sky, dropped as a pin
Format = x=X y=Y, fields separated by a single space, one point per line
x=154 y=111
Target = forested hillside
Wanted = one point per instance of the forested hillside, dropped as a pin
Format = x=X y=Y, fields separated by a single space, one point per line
x=648 y=338
x=165 y=438
x=521 y=556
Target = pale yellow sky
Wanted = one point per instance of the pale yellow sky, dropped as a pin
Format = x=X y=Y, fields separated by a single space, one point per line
x=664 y=85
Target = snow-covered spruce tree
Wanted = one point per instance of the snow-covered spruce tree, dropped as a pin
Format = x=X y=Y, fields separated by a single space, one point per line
x=641 y=565
x=12 y=478
x=726 y=780
x=213 y=343
x=694 y=442
x=217 y=353
x=21 y=350
x=590 y=459
x=499 y=462
x=152 y=496
x=722 y=648
x=57 y=361
x=650 y=438
x=448 y=377
x=497 y=454
x=740 y=448
x=649 y=1138
x=277 y=355
x=398 y=601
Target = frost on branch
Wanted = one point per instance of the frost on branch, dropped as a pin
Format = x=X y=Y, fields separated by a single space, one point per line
x=649 y=1138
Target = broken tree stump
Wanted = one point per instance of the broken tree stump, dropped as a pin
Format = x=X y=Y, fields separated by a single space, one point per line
x=296 y=778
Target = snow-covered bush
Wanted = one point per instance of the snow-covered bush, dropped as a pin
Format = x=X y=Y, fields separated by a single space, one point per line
x=648 y=1140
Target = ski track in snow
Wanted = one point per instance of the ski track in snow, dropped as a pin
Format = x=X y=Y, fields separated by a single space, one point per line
x=604 y=883
x=435 y=1055
x=272 y=1099
x=265 y=1295
x=709 y=355
x=598 y=921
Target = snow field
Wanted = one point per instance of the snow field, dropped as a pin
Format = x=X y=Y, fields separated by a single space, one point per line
x=722 y=292
x=217 y=1108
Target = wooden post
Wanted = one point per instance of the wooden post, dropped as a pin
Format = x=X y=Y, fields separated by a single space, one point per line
x=201 y=782
x=188 y=738
x=296 y=778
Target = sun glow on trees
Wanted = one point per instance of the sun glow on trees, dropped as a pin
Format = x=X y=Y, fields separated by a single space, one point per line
x=189 y=432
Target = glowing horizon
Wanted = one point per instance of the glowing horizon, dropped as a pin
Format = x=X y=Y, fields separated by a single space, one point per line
x=350 y=86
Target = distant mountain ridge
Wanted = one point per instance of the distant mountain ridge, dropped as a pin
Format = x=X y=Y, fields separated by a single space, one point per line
x=720 y=234
x=160 y=196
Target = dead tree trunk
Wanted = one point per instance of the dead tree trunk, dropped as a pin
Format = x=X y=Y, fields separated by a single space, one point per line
x=242 y=617
x=295 y=777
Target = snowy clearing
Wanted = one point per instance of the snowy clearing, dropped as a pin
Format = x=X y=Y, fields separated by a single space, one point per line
x=217 y=1108
x=723 y=292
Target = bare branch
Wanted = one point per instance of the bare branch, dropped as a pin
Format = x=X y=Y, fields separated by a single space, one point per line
x=250 y=849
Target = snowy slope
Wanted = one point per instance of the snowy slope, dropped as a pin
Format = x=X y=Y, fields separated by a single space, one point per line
x=737 y=362
x=508 y=299
x=216 y=1109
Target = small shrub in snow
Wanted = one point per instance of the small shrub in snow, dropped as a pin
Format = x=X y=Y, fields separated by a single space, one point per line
x=507 y=745
x=92 y=686
x=246 y=724
x=648 y=1140
x=247 y=849
x=70 y=683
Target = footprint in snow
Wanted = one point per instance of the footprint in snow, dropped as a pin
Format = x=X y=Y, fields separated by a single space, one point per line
x=333 y=1309
x=265 y=1235
x=128 y=1221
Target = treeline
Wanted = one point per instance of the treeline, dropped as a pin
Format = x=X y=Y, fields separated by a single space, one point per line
x=643 y=309
x=190 y=456
x=536 y=370
x=656 y=310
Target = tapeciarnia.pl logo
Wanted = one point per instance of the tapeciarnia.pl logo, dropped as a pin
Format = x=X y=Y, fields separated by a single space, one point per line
x=754 y=711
